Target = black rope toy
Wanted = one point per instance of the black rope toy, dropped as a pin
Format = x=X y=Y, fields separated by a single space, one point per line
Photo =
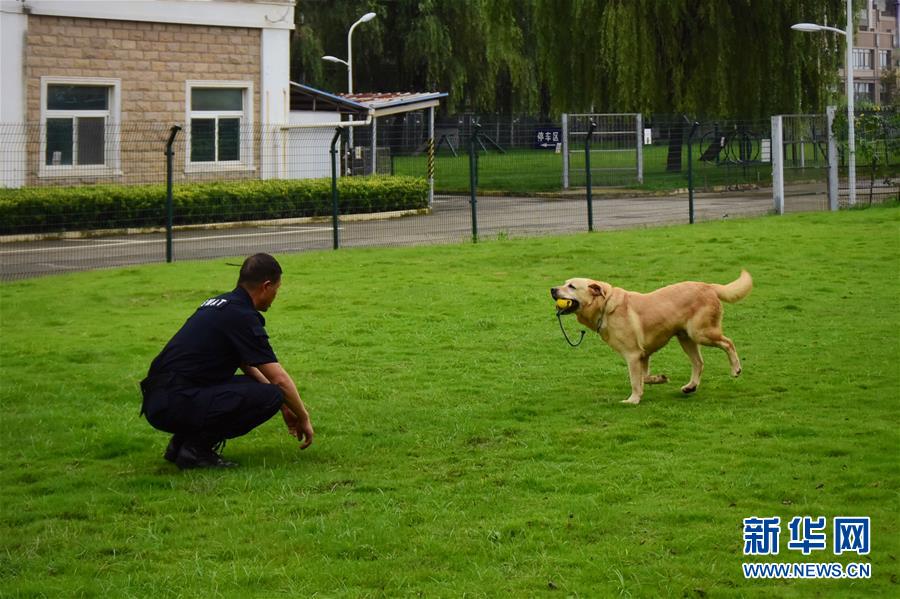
x=559 y=315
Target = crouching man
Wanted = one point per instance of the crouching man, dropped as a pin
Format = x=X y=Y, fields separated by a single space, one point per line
x=192 y=390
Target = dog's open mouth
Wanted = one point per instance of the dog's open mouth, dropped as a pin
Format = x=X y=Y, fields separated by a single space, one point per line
x=566 y=306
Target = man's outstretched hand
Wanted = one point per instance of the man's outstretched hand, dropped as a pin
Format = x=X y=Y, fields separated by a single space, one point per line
x=303 y=431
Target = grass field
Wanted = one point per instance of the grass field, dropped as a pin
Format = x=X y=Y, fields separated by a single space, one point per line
x=463 y=449
x=529 y=171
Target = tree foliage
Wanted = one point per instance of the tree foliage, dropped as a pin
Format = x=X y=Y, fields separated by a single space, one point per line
x=701 y=56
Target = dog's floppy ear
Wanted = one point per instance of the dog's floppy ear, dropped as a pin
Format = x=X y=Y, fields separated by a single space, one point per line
x=596 y=289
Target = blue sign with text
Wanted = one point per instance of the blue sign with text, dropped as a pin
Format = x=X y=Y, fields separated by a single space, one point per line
x=547 y=137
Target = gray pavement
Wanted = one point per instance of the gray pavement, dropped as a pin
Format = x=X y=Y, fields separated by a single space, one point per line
x=450 y=221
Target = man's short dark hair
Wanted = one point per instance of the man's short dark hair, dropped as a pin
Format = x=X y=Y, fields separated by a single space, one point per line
x=257 y=269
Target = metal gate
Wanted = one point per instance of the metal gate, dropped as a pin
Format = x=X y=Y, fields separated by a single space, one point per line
x=800 y=163
x=616 y=149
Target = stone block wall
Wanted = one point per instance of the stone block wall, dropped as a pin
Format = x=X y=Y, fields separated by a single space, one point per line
x=152 y=61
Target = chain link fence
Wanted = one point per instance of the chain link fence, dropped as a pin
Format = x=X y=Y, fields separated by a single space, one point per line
x=77 y=196
x=877 y=156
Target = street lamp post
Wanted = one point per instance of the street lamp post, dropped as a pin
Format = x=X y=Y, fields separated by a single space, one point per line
x=848 y=72
x=349 y=62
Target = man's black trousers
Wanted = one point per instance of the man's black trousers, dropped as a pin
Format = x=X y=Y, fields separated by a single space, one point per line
x=208 y=415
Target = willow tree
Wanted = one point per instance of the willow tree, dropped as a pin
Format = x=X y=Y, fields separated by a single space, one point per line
x=699 y=56
x=736 y=57
x=475 y=50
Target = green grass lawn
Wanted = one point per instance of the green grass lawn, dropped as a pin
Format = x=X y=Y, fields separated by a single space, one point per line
x=529 y=171
x=463 y=449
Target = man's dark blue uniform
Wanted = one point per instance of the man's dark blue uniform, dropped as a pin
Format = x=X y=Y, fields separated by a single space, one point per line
x=191 y=389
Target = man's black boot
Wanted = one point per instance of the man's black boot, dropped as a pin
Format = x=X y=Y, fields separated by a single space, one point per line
x=196 y=455
x=172 y=450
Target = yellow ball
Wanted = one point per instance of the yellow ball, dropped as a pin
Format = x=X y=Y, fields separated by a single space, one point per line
x=563 y=304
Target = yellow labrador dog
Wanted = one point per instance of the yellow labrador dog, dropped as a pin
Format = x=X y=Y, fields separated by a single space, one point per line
x=638 y=324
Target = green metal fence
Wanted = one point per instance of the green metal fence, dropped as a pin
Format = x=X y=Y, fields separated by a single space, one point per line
x=509 y=180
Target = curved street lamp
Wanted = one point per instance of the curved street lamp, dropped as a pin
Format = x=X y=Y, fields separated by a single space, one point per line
x=349 y=62
x=848 y=72
x=335 y=59
x=812 y=27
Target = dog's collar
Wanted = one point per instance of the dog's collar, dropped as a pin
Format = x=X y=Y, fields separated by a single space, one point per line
x=600 y=320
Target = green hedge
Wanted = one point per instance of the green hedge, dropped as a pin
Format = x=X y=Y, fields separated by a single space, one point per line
x=56 y=209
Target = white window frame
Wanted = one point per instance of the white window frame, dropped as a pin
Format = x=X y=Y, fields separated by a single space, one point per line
x=111 y=151
x=246 y=162
x=864 y=91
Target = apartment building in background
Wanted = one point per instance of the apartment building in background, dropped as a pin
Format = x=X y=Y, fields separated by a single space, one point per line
x=876 y=52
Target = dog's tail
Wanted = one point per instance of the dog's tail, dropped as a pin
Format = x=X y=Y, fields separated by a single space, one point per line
x=736 y=290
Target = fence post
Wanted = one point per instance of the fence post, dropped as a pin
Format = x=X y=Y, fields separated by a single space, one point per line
x=430 y=168
x=832 y=161
x=473 y=178
x=565 y=150
x=690 y=156
x=334 y=189
x=640 y=147
x=587 y=173
x=777 y=164
x=170 y=208
x=374 y=166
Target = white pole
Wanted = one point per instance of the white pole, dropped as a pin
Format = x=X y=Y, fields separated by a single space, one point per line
x=350 y=58
x=350 y=92
x=832 y=162
x=640 y=147
x=851 y=129
x=374 y=145
x=777 y=165
x=366 y=17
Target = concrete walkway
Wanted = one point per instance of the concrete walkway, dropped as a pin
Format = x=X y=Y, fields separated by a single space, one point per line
x=449 y=221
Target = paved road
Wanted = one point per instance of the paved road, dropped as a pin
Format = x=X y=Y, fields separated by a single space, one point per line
x=449 y=221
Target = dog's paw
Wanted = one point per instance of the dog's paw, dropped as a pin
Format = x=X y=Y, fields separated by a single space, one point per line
x=689 y=388
x=737 y=373
x=657 y=379
x=633 y=401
